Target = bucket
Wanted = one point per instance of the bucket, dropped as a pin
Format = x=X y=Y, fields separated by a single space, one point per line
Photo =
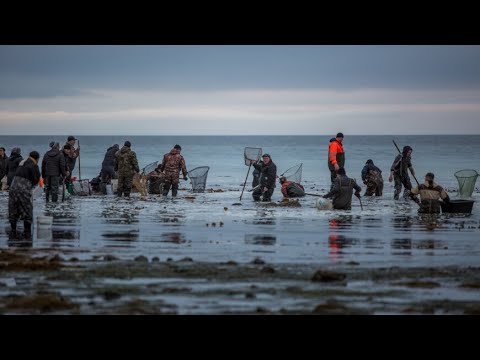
x=44 y=233
x=457 y=206
x=324 y=204
x=44 y=221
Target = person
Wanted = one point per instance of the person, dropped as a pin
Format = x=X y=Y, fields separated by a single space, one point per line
x=20 y=204
x=430 y=195
x=256 y=176
x=336 y=156
x=341 y=193
x=399 y=172
x=12 y=164
x=268 y=174
x=69 y=163
x=3 y=165
x=53 y=166
x=108 y=167
x=171 y=165
x=74 y=153
x=372 y=178
x=127 y=165
x=291 y=189
x=156 y=180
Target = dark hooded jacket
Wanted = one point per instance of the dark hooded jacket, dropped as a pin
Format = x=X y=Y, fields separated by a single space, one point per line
x=12 y=164
x=3 y=166
x=109 y=159
x=342 y=192
x=53 y=163
x=268 y=174
x=28 y=169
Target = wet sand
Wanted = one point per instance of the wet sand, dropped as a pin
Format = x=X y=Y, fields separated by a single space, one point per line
x=212 y=254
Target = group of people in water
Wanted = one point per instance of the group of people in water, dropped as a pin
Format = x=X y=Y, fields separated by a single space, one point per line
x=22 y=175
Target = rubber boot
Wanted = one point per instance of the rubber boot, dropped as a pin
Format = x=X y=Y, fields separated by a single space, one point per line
x=27 y=232
x=13 y=233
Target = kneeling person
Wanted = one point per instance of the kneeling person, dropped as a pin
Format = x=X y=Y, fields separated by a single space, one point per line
x=342 y=191
x=430 y=195
x=291 y=189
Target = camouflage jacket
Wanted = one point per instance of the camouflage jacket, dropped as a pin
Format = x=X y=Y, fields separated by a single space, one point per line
x=173 y=162
x=126 y=162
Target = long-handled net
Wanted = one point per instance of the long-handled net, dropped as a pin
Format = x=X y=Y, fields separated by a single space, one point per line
x=139 y=182
x=466 y=182
x=294 y=173
x=198 y=178
x=149 y=168
x=250 y=154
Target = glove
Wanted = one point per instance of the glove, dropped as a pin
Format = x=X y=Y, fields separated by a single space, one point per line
x=185 y=178
x=357 y=194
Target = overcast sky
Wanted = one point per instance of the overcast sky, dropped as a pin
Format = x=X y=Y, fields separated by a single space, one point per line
x=188 y=90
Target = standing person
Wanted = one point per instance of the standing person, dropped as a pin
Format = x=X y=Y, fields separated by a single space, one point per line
x=3 y=165
x=256 y=176
x=268 y=174
x=69 y=163
x=342 y=191
x=336 y=156
x=20 y=203
x=127 y=165
x=108 y=167
x=372 y=177
x=74 y=153
x=399 y=172
x=430 y=195
x=53 y=166
x=291 y=189
x=171 y=165
x=12 y=164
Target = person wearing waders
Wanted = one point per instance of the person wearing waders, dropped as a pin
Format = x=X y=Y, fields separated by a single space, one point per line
x=20 y=205
x=399 y=173
x=127 y=165
x=108 y=167
x=372 y=178
x=12 y=164
x=430 y=195
x=342 y=191
x=291 y=189
x=3 y=165
x=53 y=166
x=336 y=156
x=171 y=165
x=268 y=174
x=73 y=154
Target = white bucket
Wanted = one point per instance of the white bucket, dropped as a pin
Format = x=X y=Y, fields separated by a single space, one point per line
x=114 y=185
x=44 y=233
x=324 y=204
x=44 y=221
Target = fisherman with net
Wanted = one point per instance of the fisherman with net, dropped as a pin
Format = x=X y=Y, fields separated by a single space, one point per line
x=156 y=181
x=430 y=195
x=291 y=189
x=268 y=174
x=171 y=165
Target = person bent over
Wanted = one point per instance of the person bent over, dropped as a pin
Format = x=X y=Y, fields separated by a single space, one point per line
x=430 y=195
x=291 y=189
x=342 y=191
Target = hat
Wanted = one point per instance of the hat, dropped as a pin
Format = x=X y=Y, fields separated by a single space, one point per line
x=70 y=138
x=127 y=143
x=178 y=147
x=340 y=135
x=35 y=155
x=430 y=175
x=369 y=161
x=406 y=149
x=54 y=144
x=266 y=155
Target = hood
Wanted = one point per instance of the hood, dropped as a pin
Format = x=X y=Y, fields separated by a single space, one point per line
x=15 y=151
x=116 y=147
x=54 y=152
x=125 y=149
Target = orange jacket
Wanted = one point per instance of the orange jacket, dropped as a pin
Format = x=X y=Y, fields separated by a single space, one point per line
x=334 y=148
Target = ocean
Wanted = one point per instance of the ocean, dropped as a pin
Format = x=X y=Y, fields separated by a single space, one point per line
x=215 y=226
